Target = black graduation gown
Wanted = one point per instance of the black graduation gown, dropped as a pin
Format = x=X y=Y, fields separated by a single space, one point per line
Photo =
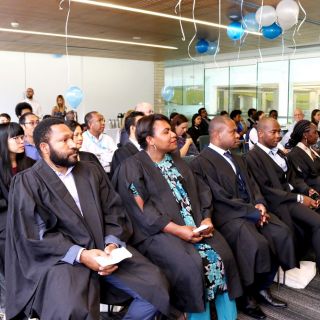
x=251 y=246
x=88 y=156
x=195 y=133
x=178 y=259
x=275 y=184
x=124 y=152
x=305 y=167
x=28 y=162
x=37 y=280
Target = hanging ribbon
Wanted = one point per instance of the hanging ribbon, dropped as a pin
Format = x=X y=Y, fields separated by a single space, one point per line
x=260 y=25
x=305 y=16
x=282 y=41
x=60 y=5
x=219 y=36
x=294 y=41
x=195 y=30
x=178 y=6
x=66 y=33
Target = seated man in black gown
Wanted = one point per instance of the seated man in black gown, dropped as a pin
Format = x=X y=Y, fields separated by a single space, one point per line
x=259 y=240
x=63 y=214
x=131 y=147
x=287 y=195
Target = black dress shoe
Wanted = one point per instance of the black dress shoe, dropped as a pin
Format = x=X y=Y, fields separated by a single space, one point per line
x=265 y=296
x=255 y=312
x=248 y=305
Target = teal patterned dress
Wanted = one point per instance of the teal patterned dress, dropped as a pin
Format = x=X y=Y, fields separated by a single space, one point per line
x=213 y=265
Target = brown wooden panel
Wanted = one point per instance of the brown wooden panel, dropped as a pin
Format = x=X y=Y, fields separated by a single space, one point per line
x=44 y=15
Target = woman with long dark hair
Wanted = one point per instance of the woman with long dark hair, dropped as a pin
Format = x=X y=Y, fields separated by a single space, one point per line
x=12 y=160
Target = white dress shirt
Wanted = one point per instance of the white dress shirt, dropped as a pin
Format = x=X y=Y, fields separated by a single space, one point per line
x=36 y=107
x=135 y=143
x=222 y=152
x=273 y=154
x=103 y=147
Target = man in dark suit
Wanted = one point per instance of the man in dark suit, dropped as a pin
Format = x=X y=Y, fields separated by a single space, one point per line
x=132 y=146
x=287 y=195
x=259 y=240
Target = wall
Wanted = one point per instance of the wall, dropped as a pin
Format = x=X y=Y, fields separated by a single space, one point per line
x=110 y=86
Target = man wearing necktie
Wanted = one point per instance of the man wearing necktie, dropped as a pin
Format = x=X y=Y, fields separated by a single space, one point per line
x=259 y=240
x=287 y=195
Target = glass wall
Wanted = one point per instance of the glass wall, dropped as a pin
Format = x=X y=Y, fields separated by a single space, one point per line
x=188 y=85
x=281 y=85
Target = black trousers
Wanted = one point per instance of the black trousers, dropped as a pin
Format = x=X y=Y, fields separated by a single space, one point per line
x=309 y=221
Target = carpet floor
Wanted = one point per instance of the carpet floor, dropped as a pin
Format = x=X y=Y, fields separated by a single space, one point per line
x=303 y=304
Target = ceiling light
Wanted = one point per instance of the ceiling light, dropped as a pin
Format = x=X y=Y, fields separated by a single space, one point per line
x=158 y=14
x=88 y=38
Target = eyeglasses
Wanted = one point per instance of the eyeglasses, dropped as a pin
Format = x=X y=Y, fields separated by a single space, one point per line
x=18 y=139
x=33 y=123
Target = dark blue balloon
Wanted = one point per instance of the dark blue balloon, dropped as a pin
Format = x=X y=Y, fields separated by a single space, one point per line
x=235 y=30
x=74 y=96
x=271 y=32
x=202 y=46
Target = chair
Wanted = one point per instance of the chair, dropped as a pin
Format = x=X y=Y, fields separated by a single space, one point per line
x=203 y=141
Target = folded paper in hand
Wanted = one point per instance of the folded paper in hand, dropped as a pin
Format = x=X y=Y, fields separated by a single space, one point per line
x=115 y=257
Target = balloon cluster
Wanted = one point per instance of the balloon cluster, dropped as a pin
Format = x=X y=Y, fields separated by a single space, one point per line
x=270 y=21
x=204 y=46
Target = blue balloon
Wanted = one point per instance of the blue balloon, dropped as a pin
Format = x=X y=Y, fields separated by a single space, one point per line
x=202 y=46
x=167 y=93
x=57 y=55
x=271 y=32
x=249 y=22
x=74 y=96
x=235 y=30
x=213 y=47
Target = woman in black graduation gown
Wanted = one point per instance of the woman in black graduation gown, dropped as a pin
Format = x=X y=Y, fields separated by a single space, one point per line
x=162 y=198
x=12 y=160
x=303 y=158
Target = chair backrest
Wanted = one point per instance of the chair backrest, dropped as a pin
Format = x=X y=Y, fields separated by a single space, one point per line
x=203 y=141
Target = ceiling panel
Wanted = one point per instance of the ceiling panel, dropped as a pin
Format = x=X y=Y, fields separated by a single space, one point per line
x=91 y=21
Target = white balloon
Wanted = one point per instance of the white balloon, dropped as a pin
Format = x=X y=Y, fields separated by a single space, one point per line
x=288 y=10
x=285 y=24
x=266 y=16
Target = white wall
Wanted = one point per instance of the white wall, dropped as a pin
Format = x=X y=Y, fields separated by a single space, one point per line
x=109 y=86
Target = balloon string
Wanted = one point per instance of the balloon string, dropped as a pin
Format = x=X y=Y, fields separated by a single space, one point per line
x=195 y=30
x=282 y=40
x=243 y=21
x=67 y=50
x=178 y=5
x=305 y=16
x=294 y=42
x=260 y=25
x=219 y=36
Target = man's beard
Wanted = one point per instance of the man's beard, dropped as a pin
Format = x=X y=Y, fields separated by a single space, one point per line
x=62 y=161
